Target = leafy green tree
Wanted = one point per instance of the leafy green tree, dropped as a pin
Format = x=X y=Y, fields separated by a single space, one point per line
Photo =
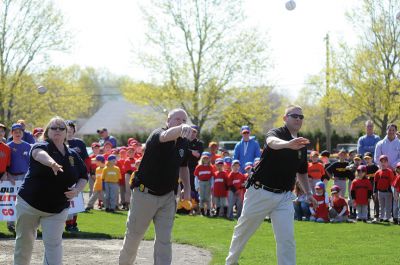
x=29 y=30
x=198 y=50
x=369 y=73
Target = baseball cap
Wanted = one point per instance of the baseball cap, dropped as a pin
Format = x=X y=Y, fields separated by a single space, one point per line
x=357 y=157
x=383 y=157
x=219 y=161
x=111 y=157
x=362 y=168
x=95 y=144
x=37 y=130
x=235 y=162
x=101 y=130
x=256 y=159
x=368 y=155
x=195 y=127
x=207 y=154
x=320 y=185
x=314 y=153
x=227 y=159
x=3 y=126
x=335 y=189
x=398 y=165
x=100 y=158
x=108 y=143
x=248 y=165
x=130 y=148
x=16 y=126
x=352 y=151
x=212 y=144
x=326 y=153
x=245 y=128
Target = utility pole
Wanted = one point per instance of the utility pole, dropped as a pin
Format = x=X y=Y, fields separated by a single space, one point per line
x=328 y=114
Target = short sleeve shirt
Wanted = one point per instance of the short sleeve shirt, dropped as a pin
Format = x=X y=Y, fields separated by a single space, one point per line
x=45 y=191
x=277 y=168
x=159 y=168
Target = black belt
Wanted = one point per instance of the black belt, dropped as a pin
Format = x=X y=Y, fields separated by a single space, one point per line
x=144 y=189
x=16 y=174
x=262 y=186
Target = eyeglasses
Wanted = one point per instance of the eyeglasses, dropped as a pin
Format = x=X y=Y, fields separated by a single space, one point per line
x=296 y=116
x=245 y=132
x=57 y=128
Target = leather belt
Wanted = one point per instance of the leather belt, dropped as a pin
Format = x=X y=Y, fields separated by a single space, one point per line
x=262 y=186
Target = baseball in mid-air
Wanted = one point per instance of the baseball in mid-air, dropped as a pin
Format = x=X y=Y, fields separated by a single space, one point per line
x=41 y=89
x=290 y=5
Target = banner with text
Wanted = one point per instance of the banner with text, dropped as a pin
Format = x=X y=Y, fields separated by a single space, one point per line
x=8 y=196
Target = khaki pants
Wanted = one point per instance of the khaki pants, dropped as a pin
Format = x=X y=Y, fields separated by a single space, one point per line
x=28 y=220
x=127 y=188
x=145 y=208
x=259 y=203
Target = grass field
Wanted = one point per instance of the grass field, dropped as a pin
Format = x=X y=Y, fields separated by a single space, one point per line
x=334 y=244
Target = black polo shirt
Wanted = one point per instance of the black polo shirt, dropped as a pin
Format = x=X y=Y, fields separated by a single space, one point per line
x=45 y=191
x=339 y=170
x=159 y=169
x=277 y=168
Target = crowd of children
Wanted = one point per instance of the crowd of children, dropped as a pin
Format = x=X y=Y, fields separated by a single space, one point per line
x=358 y=178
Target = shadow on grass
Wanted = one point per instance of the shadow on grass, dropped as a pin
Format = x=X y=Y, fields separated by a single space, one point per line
x=81 y=234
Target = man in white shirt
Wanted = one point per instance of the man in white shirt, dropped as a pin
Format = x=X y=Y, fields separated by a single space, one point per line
x=389 y=146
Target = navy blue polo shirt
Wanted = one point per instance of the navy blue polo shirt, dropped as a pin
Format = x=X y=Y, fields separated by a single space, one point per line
x=159 y=168
x=45 y=191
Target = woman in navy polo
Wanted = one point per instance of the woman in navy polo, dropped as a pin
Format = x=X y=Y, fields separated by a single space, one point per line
x=56 y=175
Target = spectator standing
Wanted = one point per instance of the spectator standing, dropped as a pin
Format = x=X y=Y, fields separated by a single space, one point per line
x=111 y=175
x=383 y=179
x=5 y=154
x=220 y=188
x=367 y=142
x=19 y=161
x=27 y=135
x=371 y=169
x=247 y=149
x=37 y=134
x=389 y=146
x=105 y=137
x=340 y=172
x=361 y=192
x=98 y=184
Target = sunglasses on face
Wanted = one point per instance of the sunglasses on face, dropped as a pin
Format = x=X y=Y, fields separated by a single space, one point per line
x=57 y=128
x=245 y=132
x=296 y=116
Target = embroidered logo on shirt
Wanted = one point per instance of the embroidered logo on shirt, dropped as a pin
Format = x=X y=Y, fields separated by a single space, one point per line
x=71 y=160
x=181 y=152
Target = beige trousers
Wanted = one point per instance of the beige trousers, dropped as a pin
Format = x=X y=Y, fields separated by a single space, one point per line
x=144 y=208
x=28 y=220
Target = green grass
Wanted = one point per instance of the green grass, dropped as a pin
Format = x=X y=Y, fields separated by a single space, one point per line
x=316 y=243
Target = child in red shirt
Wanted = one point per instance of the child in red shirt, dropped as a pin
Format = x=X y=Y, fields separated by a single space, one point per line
x=235 y=185
x=220 y=188
x=339 y=210
x=203 y=175
x=383 y=180
x=361 y=192
x=319 y=212
x=396 y=191
x=315 y=169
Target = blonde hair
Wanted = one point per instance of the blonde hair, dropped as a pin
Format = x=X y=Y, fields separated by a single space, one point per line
x=57 y=120
x=203 y=164
x=291 y=108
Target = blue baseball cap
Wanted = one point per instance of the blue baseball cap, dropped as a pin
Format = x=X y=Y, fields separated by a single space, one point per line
x=16 y=126
x=100 y=158
x=245 y=128
x=256 y=159
x=111 y=157
x=208 y=154
x=235 y=162
x=227 y=159
x=195 y=127
x=219 y=161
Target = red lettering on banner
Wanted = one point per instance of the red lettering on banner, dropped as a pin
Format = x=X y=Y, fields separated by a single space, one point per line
x=8 y=198
x=7 y=212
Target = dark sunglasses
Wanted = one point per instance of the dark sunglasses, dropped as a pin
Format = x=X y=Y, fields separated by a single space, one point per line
x=245 y=132
x=296 y=116
x=57 y=128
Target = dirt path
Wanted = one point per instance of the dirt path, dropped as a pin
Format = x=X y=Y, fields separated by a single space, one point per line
x=105 y=251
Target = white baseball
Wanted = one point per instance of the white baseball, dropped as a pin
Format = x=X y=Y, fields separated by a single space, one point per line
x=290 y=5
x=41 y=90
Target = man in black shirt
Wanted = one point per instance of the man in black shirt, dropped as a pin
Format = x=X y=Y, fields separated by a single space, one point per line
x=269 y=189
x=154 y=188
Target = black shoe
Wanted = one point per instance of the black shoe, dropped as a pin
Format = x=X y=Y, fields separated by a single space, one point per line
x=68 y=228
x=11 y=228
x=107 y=209
x=74 y=229
x=386 y=221
x=87 y=209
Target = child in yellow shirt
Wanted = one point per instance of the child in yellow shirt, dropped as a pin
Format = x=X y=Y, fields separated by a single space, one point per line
x=98 y=183
x=111 y=176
